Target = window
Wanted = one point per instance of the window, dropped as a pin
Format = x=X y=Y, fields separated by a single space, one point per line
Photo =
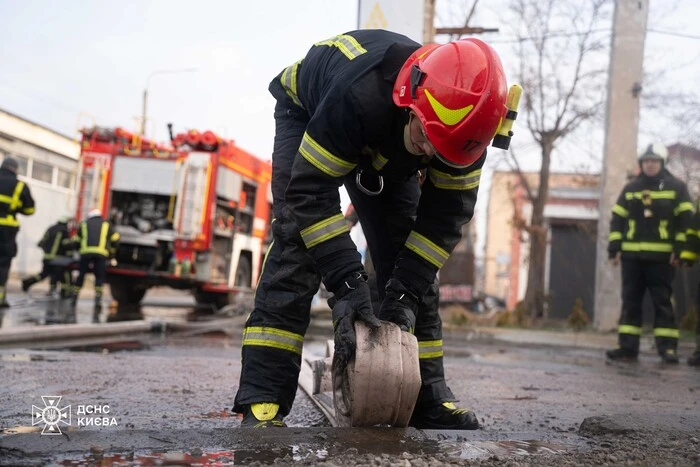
x=42 y=172
x=64 y=178
x=22 y=162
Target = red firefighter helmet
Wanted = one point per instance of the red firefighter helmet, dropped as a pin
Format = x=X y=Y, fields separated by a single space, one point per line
x=458 y=90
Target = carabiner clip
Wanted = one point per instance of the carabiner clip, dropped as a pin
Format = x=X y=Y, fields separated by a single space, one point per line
x=367 y=191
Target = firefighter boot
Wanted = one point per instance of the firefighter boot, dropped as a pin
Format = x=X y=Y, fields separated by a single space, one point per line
x=97 y=310
x=620 y=354
x=28 y=282
x=3 y=298
x=443 y=417
x=263 y=415
x=669 y=356
x=694 y=360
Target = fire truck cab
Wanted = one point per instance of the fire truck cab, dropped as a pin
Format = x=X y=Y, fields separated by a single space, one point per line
x=192 y=215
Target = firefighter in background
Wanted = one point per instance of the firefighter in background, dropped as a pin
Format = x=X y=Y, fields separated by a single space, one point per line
x=369 y=109
x=57 y=246
x=648 y=232
x=15 y=198
x=692 y=256
x=96 y=242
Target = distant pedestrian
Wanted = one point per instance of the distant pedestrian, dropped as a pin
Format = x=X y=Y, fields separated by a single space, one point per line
x=15 y=198
x=648 y=232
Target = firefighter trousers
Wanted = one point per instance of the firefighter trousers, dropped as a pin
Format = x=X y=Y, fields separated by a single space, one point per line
x=99 y=269
x=638 y=276
x=274 y=332
x=57 y=274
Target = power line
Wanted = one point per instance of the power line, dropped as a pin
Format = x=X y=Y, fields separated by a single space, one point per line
x=672 y=33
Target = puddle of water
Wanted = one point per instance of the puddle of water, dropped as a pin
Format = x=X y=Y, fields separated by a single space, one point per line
x=505 y=448
x=196 y=457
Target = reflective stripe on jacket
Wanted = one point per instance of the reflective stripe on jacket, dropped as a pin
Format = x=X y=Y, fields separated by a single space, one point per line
x=651 y=218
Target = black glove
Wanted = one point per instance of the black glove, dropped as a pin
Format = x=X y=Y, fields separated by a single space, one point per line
x=399 y=306
x=352 y=302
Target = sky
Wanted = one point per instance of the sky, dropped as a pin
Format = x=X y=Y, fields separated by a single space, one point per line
x=74 y=63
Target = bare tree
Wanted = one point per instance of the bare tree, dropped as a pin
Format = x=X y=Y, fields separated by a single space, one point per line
x=561 y=51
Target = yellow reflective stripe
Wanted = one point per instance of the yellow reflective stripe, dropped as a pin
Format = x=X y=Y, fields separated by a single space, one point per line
x=348 y=45
x=629 y=329
x=262 y=336
x=615 y=236
x=620 y=211
x=430 y=349
x=667 y=332
x=115 y=237
x=663 y=232
x=426 y=249
x=322 y=159
x=689 y=255
x=667 y=194
x=680 y=237
x=446 y=181
x=101 y=247
x=682 y=207
x=647 y=246
x=9 y=221
x=289 y=82
x=630 y=231
x=16 y=203
x=691 y=232
x=28 y=211
x=378 y=161
x=56 y=244
x=324 y=230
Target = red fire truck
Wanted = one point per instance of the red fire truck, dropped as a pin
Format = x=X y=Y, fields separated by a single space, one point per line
x=192 y=215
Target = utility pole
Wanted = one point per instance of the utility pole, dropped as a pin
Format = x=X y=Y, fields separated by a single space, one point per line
x=622 y=123
x=144 y=104
x=430 y=31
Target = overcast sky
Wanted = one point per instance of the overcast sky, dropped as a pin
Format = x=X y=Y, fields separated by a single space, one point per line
x=61 y=59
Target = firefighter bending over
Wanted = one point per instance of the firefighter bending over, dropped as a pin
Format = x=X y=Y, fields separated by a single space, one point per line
x=57 y=246
x=15 y=198
x=368 y=109
x=648 y=232
x=96 y=243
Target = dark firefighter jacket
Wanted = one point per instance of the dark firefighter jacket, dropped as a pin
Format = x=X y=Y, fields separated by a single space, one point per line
x=692 y=251
x=14 y=198
x=56 y=241
x=345 y=86
x=651 y=218
x=96 y=237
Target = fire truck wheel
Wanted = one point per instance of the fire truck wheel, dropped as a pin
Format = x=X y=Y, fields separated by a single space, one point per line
x=243 y=272
x=126 y=291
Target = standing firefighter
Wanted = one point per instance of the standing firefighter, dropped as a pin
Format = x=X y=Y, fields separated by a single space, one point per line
x=96 y=242
x=692 y=255
x=15 y=197
x=368 y=109
x=57 y=246
x=648 y=231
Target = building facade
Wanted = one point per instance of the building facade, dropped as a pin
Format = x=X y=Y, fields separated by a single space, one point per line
x=571 y=215
x=48 y=163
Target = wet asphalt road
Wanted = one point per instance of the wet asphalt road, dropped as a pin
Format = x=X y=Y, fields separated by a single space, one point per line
x=169 y=396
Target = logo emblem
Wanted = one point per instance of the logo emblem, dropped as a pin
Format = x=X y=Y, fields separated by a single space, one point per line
x=51 y=415
x=447 y=116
